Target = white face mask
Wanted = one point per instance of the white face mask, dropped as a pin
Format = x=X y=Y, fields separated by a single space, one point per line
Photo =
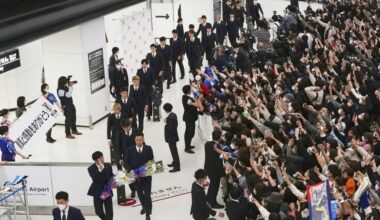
x=61 y=207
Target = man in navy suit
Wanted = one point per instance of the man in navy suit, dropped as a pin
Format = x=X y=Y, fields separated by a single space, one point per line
x=147 y=79
x=166 y=52
x=190 y=116
x=100 y=173
x=136 y=157
x=209 y=45
x=177 y=45
x=139 y=94
x=157 y=64
x=171 y=136
x=64 y=211
x=194 y=52
x=127 y=140
x=221 y=30
x=128 y=105
x=113 y=133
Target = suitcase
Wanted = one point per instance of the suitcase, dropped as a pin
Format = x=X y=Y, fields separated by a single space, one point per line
x=156 y=113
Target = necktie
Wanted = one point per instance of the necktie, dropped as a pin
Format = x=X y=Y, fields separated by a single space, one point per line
x=64 y=215
x=144 y=70
x=136 y=89
x=124 y=101
x=139 y=150
x=118 y=116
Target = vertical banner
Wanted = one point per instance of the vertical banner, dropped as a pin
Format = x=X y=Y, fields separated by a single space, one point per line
x=96 y=69
x=34 y=123
x=318 y=197
x=217 y=8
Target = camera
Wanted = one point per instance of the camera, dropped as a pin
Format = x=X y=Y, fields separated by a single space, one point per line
x=69 y=79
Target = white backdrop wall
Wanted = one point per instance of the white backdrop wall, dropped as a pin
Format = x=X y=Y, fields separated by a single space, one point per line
x=130 y=29
x=24 y=80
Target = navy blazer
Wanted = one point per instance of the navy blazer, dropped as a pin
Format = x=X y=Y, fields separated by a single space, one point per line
x=140 y=96
x=157 y=63
x=194 y=50
x=99 y=179
x=191 y=113
x=132 y=159
x=128 y=109
x=178 y=48
x=74 y=214
x=171 y=132
x=126 y=141
x=147 y=79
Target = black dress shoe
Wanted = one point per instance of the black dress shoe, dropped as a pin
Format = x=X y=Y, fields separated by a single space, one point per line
x=171 y=165
x=174 y=170
x=148 y=118
x=53 y=140
x=174 y=81
x=217 y=206
x=189 y=151
x=192 y=147
x=182 y=77
x=49 y=140
x=167 y=87
x=142 y=212
x=133 y=194
x=147 y=217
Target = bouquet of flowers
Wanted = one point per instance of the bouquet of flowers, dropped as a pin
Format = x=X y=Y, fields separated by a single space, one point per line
x=107 y=192
x=124 y=177
x=148 y=169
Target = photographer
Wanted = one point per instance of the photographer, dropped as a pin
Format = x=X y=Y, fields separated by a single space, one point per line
x=65 y=94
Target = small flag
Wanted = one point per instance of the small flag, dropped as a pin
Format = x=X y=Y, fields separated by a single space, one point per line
x=43 y=80
x=318 y=197
x=179 y=11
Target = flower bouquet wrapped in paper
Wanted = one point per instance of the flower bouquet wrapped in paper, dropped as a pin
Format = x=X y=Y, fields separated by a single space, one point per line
x=124 y=177
x=149 y=169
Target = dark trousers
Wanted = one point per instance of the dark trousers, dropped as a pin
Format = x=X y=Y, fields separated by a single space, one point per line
x=143 y=187
x=160 y=83
x=150 y=105
x=213 y=189
x=107 y=205
x=232 y=38
x=189 y=133
x=140 y=118
x=71 y=119
x=220 y=40
x=115 y=155
x=174 y=152
x=194 y=65
x=181 y=68
x=210 y=55
x=168 y=75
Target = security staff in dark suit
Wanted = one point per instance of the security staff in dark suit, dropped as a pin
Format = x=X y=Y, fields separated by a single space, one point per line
x=114 y=130
x=177 y=45
x=139 y=94
x=157 y=64
x=112 y=66
x=127 y=140
x=221 y=30
x=210 y=45
x=180 y=30
x=65 y=94
x=100 y=173
x=64 y=211
x=128 y=105
x=194 y=53
x=199 y=207
x=147 y=79
x=136 y=157
x=232 y=29
x=166 y=52
x=119 y=79
x=190 y=116
x=213 y=167
x=171 y=136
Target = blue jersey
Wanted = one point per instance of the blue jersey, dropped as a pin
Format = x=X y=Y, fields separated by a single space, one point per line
x=51 y=98
x=8 y=149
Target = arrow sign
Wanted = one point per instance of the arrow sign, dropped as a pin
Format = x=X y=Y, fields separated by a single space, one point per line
x=163 y=16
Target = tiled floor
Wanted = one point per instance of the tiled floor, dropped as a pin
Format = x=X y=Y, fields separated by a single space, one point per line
x=80 y=150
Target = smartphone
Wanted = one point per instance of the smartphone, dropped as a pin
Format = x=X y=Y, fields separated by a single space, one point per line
x=250 y=198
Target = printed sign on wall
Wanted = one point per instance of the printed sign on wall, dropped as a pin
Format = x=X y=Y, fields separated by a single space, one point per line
x=96 y=67
x=9 y=60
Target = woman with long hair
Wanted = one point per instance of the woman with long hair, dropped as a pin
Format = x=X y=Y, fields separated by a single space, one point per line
x=53 y=100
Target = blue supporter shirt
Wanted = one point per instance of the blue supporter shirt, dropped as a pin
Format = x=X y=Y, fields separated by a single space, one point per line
x=51 y=98
x=8 y=149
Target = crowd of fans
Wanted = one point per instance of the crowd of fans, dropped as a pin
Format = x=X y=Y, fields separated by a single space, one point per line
x=298 y=111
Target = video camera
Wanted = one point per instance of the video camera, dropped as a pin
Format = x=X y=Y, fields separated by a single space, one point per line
x=69 y=79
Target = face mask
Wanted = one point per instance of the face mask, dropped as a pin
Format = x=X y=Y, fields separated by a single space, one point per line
x=61 y=207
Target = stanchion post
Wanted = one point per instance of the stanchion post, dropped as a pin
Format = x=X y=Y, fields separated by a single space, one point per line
x=25 y=188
